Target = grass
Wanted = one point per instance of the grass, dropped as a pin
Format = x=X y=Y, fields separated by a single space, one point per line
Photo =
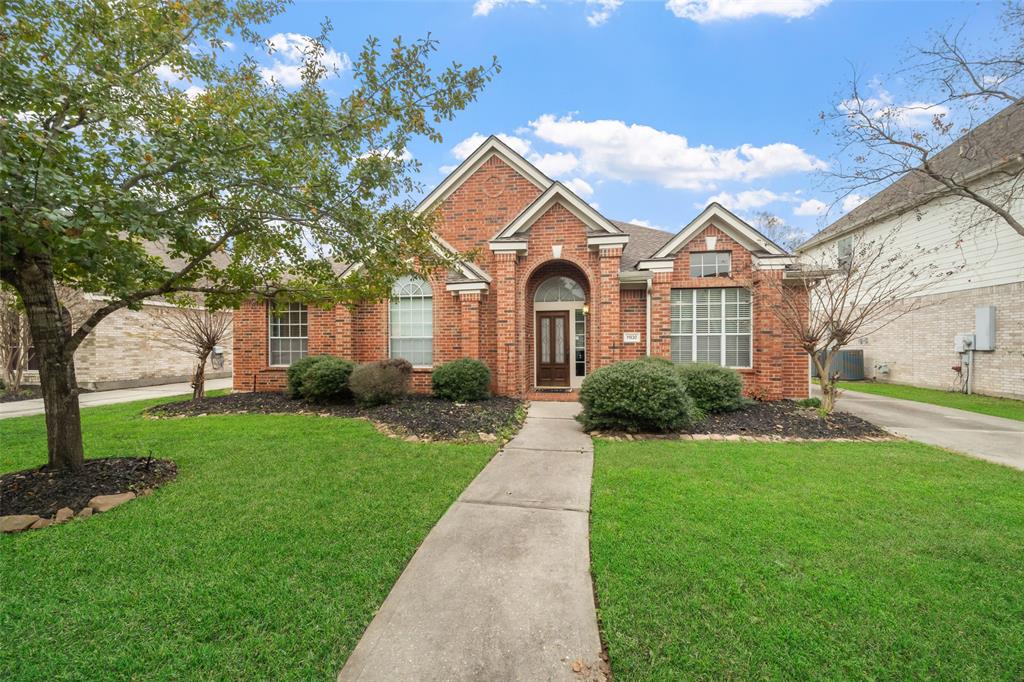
x=265 y=559
x=807 y=561
x=982 y=404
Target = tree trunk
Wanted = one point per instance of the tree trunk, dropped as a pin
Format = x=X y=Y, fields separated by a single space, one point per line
x=34 y=281
x=199 y=379
x=826 y=381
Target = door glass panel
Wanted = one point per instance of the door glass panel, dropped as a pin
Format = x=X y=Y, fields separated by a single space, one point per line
x=559 y=340
x=545 y=340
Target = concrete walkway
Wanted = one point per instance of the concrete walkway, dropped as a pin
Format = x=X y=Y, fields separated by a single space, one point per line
x=500 y=589
x=991 y=438
x=22 y=408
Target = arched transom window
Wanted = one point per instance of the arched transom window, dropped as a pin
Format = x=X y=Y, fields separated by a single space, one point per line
x=412 y=321
x=558 y=289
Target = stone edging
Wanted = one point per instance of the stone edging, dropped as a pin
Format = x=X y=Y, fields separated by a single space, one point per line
x=736 y=437
x=16 y=523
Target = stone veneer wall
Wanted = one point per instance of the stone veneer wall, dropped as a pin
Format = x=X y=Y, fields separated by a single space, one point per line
x=919 y=346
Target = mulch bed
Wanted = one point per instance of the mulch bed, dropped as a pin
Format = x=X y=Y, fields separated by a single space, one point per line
x=779 y=419
x=43 y=492
x=422 y=416
x=24 y=393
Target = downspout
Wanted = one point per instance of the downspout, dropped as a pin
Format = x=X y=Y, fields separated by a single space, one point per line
x=647 y=334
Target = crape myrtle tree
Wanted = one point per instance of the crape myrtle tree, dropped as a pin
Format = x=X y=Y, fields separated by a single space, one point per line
x=849 y=293
x=198 y=331
x=119 y=183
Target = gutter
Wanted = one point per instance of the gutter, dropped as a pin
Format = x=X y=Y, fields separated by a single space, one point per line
x=647 y=335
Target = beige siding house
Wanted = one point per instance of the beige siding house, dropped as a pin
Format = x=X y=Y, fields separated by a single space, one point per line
x=982 y=253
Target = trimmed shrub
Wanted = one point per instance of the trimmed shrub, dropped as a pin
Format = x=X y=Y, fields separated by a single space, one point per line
x=297 y=373
x=809 y=402
x=636 y=396
x=713 y=388
x=327 y=380
x=380 y=383
x=462 y=380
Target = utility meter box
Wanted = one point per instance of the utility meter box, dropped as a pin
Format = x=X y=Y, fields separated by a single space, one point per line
x=963 y=343
x=985 y=327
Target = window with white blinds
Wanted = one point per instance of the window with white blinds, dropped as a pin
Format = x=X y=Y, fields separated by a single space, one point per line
x=711 y=325
x=412 y=321
x=289 y=334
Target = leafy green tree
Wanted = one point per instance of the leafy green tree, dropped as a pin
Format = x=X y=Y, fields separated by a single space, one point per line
x=118 y=182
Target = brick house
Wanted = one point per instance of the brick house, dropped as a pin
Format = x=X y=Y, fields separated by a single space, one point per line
x=554 y=291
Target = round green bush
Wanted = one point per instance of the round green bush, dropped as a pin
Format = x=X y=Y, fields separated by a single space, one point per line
x=297 y=373
x=380 y=383
x=462 y=380
x=713 y=388
x=327 y=380
x=636 y=396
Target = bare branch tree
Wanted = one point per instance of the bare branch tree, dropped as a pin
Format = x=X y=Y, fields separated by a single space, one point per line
x=778 y=230
x=930 y=142
x=198 y=331
x=851 y=291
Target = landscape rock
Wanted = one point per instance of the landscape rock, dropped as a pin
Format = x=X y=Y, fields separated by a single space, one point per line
x=487 y=437
x=41 y=523
x=85 y=513
x=63 y=514
x=104 y=503
x=17 y=522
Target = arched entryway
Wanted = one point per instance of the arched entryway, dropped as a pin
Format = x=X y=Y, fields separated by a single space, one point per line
x=558 y=326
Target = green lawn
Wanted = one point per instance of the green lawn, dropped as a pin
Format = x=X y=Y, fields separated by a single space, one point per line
x=807 y=561
x=983 y=404
x=265 y=559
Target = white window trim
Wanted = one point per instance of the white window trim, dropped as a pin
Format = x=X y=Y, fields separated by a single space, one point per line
x=270 y=352
x=722 y=346
x=716 y=254
x=431 y=337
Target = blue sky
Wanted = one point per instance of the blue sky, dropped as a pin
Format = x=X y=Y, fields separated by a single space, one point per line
x=649 y=112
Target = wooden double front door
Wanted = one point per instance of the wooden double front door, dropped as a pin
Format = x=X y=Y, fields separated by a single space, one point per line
x=553 y=336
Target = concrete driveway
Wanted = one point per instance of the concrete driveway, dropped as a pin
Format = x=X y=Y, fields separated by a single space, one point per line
x=23 y=408
x=991 y=438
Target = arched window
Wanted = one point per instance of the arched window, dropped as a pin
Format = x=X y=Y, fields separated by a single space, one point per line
x=558 y=289
x=412 y=321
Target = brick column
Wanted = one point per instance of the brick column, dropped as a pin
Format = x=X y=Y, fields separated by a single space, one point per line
x=343 y=332
x=609 y=335
x=469 y=323
x=505 y=323
x=661 y=322
x=249 y=343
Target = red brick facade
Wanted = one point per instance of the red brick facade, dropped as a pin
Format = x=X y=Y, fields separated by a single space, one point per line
x=496 y=322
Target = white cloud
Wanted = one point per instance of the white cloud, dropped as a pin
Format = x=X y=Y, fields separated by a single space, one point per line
x=615 y=150
x=704 y=11
x=852 y=201
x=812 y=207
x=166 y=73
x=602 y=10
x=883 y=107
x=745 y=200
x=289 y=51
x=556 y=164
x=580 y=187
x=194 y=91
x=481 y=8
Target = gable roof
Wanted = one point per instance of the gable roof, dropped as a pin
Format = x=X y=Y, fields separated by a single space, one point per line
x=492 y=146
x=727 y=222
x=558 y=193
x=994 y=143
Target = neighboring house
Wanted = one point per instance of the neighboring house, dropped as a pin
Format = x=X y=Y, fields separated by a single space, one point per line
x=554 y=291
x=983 y=255
x=131 y=347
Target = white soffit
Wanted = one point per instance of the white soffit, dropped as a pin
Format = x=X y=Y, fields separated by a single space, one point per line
x=726 y=221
